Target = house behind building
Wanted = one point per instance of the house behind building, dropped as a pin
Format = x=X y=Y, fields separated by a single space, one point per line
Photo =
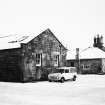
x=91 y=60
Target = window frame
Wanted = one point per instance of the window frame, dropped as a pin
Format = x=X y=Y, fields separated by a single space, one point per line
x=56 y=60
x=67 y=70
x=38 y=59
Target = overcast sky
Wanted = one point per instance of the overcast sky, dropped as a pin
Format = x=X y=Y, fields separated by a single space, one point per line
x=74 y=22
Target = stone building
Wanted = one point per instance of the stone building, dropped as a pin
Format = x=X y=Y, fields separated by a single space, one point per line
x=91 y=60
x=33 y=59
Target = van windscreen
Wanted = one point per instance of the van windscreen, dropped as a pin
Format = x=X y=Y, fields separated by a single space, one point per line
x=59 y=71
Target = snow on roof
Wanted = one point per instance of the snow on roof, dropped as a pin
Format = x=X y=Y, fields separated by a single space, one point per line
x=92 y=52
x=71 y=54
x=9 y=46
x=89 y=53
x=23 y=38
x=14 y=41
x=5 y=45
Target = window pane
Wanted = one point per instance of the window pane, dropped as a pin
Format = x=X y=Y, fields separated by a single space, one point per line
x=67 y=71
x=38 y=58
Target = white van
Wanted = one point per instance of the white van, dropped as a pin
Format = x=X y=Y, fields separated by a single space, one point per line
x=63 y=73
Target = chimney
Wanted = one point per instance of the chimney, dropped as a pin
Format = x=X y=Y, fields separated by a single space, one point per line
x=77 y=53
x=98 y=41
x=101 y=40
x=78 y=60
x=95 y=42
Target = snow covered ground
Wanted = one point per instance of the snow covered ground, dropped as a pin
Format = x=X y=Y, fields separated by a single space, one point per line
x=87 y=90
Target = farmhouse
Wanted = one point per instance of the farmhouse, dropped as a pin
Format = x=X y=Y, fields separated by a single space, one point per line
x=91 y=60
x=31 y=57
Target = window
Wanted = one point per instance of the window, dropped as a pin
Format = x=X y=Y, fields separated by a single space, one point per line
x=66 y=71
x=38 y=59
x=72 y=64
x=56 y=60
x=86 y=67
x=82 y=67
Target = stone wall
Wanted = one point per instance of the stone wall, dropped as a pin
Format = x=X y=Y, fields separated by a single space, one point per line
x=88 y=65
x=49 y=47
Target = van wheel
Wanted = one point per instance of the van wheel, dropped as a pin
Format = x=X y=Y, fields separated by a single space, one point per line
x=62 y=80
x=49 y=80
x=74 y=78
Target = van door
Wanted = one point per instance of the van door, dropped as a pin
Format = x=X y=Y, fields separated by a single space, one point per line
x=67 y=75
x=72 y=71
